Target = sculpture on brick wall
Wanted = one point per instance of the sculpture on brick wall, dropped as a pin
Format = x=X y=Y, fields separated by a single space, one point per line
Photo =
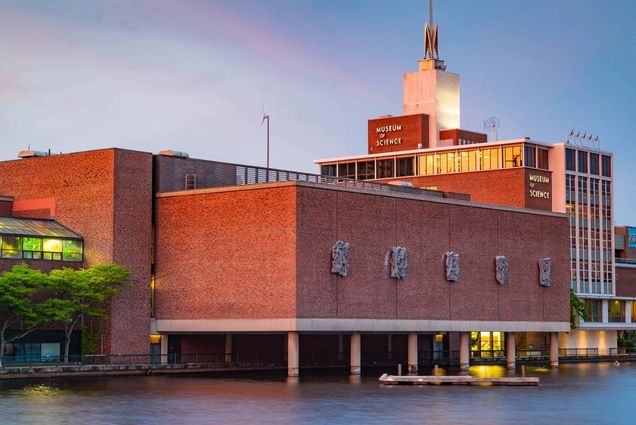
x=399 y=262
x=340 y=258
x=452 y=266
x=502 y=269
x=544 y=271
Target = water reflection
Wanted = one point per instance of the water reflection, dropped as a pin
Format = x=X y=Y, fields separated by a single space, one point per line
x=585 y=393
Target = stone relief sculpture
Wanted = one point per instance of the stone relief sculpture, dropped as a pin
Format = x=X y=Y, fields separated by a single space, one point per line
x=340 y=258
x=544 y=271
x=399 y=262
x=452 y=266
x=502 y=269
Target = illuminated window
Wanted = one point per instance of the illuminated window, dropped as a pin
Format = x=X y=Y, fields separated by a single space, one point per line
x=32 y=248
x=52 y=249
x=71 y=250
x=616 y=311
x=11 y=247
x=512 y=156
x=366 y=170
x=450 y=162
x=489 y=159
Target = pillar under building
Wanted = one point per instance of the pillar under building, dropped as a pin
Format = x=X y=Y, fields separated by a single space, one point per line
x=511 y=350
x=355 y=367
x=554 y=349
x=228 y=348
x=164 y=349
x=464 y=350
x=292 y=354
x=412 y=360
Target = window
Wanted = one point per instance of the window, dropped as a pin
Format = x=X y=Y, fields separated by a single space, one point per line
x=542 y=159
x=594 y=163
x=489 y=159
x=366 y=170
x=593 y=310
x=405 y=166
x=328 y=170
x=512 y=156
x=529 y=156
x=425 y=165
x=11 y=247
x=385 y=168
x=347 y=170
x=569 y=160
x=582 y=162
x=35 y=248
x=616 y=311
x=606 y=166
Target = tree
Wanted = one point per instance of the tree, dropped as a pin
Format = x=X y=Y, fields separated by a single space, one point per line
x=577 y=309
x=18 y=288
x=77 y=293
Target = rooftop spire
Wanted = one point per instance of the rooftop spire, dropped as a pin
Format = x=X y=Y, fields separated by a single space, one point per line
x=431 y=49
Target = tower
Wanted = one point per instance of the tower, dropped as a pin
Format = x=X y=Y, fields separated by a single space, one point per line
x=432 y=90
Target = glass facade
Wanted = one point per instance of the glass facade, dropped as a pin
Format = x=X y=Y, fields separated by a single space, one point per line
x=588 y=203
x=594 y=310
x=37 y=248
x=441 y=162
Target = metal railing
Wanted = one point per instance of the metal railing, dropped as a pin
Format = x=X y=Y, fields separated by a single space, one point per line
x=626 y=260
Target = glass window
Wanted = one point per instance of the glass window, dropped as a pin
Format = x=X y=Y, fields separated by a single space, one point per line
x=52 y=249
x=385 y=168
x=593 y=310
x=347 y=170
x=11 y=247
x=366 y=170
x=594 y=163
x=405 y=166
x=450 y=162
x=633 y=311
x=328 y=170
x=569 y=160
x=616 y=311
x=582 y=162
x=542 y=159
x=606 y=166
x=489 y=159
x=71 y=250
x=512 y=156
x=31 y=248
x=529 y=156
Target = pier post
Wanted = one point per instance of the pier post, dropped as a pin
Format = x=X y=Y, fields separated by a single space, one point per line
x=228 y=348
x=292 y=354
x=412 y=354
x=355 y=353
x=340 y=347
x=511 y=351
x=554 y=349
x=464 y=350
x=164 y=349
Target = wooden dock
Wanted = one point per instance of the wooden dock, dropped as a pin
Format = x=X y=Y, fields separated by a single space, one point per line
x=457 y=380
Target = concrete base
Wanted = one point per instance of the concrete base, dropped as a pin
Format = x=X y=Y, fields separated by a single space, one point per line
x=464 y=351
x=554 y=349
x=511 y=351
x=355 y=368
x=292 y=354
x=412 y=354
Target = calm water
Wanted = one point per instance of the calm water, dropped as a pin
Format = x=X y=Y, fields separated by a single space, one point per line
x=576 y=394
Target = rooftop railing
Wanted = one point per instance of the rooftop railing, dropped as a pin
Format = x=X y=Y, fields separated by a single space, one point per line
x=626 y=260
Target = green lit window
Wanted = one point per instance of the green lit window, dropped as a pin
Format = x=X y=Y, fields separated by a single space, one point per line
x=52 y=249
x=11 y=247
x=32 y=248
x=71 y=250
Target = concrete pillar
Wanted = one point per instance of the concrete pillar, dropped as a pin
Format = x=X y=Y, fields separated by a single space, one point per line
x=605 y=311
x=464 y=350
x=412 y=354
x=511 y=350
x=292 y=354
x=355 y=353
x=389 y=346
x=164 y=349
x=340 y=347
x=628 y=312
x=228 y=348
x=554 y=349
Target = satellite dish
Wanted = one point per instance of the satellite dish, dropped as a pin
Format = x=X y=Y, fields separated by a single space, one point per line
x=491 y=125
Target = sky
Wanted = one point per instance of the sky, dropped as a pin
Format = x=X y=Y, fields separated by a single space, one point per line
x=196 y=76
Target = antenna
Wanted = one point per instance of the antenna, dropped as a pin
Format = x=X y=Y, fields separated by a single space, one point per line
x=583 y=139
x=492 y=126
x=266 y=117
x=430 y=13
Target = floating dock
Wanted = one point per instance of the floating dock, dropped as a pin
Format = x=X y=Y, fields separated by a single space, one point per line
x=457 y=380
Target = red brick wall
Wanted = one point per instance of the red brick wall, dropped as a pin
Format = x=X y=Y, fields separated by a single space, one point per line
x=413 y=133
x=226 y=255
x=85 y=187
x=456 y=134
x=500 y=187
x=373 y=224
x=538 y=202
x=625 y=281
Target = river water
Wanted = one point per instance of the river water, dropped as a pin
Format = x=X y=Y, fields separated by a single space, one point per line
x=575 y=394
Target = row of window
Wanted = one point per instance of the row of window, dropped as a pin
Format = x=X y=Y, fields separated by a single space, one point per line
x=441 y=163
x=584 y=162
x=35 y=248
x=615 y=313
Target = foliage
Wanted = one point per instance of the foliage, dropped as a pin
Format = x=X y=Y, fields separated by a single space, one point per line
x=81 y=293
x=577 y=309
x=91 y=336
x=18 y=288
x=627 y=339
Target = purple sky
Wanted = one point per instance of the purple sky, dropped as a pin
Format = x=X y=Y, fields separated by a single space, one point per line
x=194 y=75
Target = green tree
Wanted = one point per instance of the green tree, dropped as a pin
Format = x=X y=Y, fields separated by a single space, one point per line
x=577 y=309
x=18 y=288
x=77 y=293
